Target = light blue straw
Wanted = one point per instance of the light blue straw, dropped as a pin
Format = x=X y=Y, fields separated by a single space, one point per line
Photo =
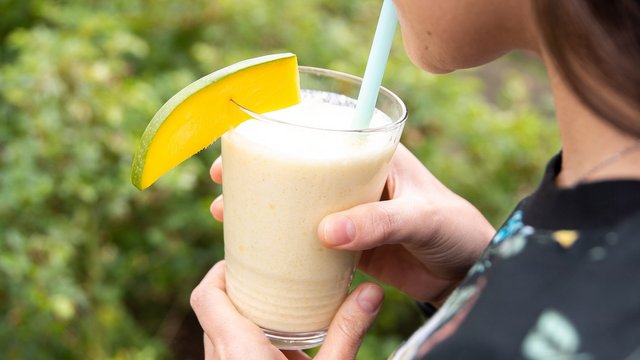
x=374 y=71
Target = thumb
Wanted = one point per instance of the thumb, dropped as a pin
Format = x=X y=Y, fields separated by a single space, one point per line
x=369 y=225
x=352 y=321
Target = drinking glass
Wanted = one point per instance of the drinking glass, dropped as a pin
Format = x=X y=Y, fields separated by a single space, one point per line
x=281 y=176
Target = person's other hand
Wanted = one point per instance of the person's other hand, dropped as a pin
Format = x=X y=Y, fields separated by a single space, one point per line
x=422 y=240
x=228 y=335
x=216 y=176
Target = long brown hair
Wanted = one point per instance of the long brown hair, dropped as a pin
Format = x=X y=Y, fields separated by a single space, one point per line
x=597 y=42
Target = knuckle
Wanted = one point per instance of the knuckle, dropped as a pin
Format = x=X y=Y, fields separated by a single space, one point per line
x=350 y=327
x=384 y=223
x=197 y=298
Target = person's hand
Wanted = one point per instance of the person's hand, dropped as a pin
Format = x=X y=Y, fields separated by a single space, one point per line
x=216 y=176
x=228 y=335
x=422 y=240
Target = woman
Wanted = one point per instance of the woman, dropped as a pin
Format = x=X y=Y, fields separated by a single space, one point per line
x=560 y=278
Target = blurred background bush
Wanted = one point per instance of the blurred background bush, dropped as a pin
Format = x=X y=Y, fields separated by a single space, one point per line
x=91 y=268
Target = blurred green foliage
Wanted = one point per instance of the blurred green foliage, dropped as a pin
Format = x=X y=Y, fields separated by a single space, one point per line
x=92 y=268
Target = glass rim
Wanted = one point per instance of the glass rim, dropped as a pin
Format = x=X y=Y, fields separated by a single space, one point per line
x=394 y=124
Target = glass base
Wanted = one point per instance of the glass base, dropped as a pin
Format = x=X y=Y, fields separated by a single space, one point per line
x=295 y=340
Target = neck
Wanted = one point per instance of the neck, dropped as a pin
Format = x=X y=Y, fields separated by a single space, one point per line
x=589 y=142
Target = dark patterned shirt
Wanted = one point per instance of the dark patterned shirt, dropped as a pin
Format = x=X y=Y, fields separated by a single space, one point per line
x=560 y=280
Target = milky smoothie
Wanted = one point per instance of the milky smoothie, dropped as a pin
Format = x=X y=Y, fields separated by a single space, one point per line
x=279 y=181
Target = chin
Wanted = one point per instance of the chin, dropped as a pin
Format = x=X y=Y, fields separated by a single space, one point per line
x=435 y=69
x=445 y=60
x=427 y=64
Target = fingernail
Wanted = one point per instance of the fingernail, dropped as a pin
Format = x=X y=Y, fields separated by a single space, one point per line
x=339 y=230
x=216 y=208
x=370 y=299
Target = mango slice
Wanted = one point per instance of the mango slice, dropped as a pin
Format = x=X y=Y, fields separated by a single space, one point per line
x=201 y=112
